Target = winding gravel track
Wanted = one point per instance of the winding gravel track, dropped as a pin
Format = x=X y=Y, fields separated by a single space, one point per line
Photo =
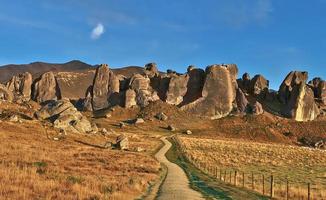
x=176 y=183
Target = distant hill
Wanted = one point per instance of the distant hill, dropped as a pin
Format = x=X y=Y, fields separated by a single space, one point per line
x=74 y=77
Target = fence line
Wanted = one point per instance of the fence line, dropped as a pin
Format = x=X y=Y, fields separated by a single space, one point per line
x=260 y=183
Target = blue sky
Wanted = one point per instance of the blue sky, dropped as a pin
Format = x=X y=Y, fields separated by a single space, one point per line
x=271 y=37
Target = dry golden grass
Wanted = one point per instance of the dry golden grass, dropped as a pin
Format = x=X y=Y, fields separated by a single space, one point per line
x=300 y=165
x=34 y=166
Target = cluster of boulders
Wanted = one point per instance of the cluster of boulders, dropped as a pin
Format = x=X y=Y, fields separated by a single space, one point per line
x=215 y=92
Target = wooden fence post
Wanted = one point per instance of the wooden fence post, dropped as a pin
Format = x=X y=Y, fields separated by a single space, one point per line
x=252 y=181
x=243 y=179
x=308 y=191
x=263 y=184
x=287 y=189
x=230 y=177
x=220 y=174
x=225 y=176
x=272 y=187
x=235 y=178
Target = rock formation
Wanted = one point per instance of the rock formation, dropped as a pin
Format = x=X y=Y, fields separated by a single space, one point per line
x=46 y=88
x=257 y=108
x=219 y=92
x=297 y=97
x=5 y=94
x=177 y=89
x=65 y=116
x=258 y=85
x=151 y=70
x=21 y=86
x=195 y=85
x=242 y=102
x=319 y=87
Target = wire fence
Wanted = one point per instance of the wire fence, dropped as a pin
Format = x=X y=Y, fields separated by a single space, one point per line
x=265 y=184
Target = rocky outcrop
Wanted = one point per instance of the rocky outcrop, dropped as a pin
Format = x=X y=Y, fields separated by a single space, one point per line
x=151 y=70
x=177 y=89
x=5 y=94
x=318 y=85
x=242 y=102
x=101 y=84
x=297 y=97
x=257 y=108
x=21 y=86
x=46 y=88
x=259 y=85
x=130 y=98
x=219 y=92
x=195 y=85
x=65 y=116
x=144 y=92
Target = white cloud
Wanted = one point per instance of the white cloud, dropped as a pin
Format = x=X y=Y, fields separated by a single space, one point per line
x=97 y=31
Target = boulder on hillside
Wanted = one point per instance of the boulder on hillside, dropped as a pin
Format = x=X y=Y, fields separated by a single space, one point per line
x=130 y=98
x=242 y=102
x=219 y=92
x=177 y=89
x=122 y=142
x=161 y=116
x=151 y=70
x=101 y=86
x=46 y=88
x=65 y=116
x=21 y=86
x=5 y=94
x=297 y=97
x=259 y=85
x=318 y=85
x=257 y=108
x=195 y=85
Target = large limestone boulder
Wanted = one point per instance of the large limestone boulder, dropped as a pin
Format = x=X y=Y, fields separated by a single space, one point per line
x=195 y=84
x=144 y=92
x=65 y=116
x=297 y=97
x=46 y=88
x=151 y=70
x=319 y=87
x=21 y=86
x=130 y=98
x=101 y=84
x=219 y=92
x=5 y=94
x=177 y=89
x=242 y=102
x=259 y=85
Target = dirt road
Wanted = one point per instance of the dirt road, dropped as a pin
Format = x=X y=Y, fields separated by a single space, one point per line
x=176 y=183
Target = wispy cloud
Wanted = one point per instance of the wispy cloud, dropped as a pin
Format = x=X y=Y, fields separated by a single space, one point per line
x=97 y=31
x=238 y=13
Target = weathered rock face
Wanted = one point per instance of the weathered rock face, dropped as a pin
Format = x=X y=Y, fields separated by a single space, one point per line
x=242 y=102
x=122 y=142
x=130 y=98
x=65 y=116
x=151 y=70
x=244 y=82
x=46 y=88
x=87 y=102
x=219 y=92
x=259 y=85
x=319 y=87
x=177 y=89
x=21 y=86
x=298 y=98
x=101 y=85
x=257 y=108
x=144 y=92
x=195 y=85
x=5 y=94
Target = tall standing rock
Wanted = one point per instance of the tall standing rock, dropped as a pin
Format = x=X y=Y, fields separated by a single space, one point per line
x=297 y=97
x=5 y=94
x=21 y=86
x=130 y=98
x=195 y=85
x=151 y=70
x=104 y=85
x=242 y=102
x=219 y=92
x=259 y=85
x=244 y=83
x=319 y=87
x=177 y=89
x=46 y=88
